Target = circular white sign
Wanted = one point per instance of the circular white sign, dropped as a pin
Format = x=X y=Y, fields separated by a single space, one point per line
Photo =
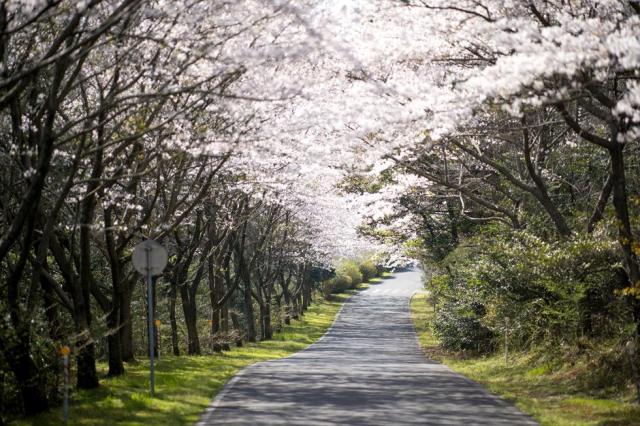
x=149 y=257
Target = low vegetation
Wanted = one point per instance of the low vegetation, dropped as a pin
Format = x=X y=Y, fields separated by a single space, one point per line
x=350 y=274
x=577 y=390
x=185 y=386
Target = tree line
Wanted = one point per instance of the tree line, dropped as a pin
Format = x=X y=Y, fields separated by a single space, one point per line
x=119 y=123
x=524 y=202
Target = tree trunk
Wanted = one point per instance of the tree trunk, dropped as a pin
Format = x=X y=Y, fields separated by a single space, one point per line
x=306 y=298
x=214 y=297
x=296 y=306
x=172 y=319
x=32 y=392
x=190 y=318
x=248 y=313
x=279 y=320
x=215 y=331
x=18 y=350
x=236 y=324
x=86 y=361
x=598 y=211
x=125 y=333
x=287 y=304
x=620 y=204
x=86 y=365
x=266 y=329
x=116 y=367
x=224 y=314
x=50 y=307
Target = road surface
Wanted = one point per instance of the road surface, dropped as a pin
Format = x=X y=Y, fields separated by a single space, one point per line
x=367 y=370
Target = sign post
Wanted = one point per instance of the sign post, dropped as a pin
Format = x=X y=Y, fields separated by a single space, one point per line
x=157 y=322
x=65 y=351
x=150 y=258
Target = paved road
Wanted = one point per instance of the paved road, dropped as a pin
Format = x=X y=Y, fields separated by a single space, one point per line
x=367 y=370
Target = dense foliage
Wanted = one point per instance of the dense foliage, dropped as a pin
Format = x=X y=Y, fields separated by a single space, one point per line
x=497 y=141
x=518 y=188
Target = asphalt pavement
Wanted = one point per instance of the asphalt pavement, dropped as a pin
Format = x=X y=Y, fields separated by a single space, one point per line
x=367 y=370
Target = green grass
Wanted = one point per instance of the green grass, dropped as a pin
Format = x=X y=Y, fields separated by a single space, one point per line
x=549 y=395
x=185 y=385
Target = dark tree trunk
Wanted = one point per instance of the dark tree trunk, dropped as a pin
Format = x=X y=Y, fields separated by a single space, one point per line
x=266 y=330
x=268 y=327
x=296 y=305
x=215 y=331
x=279 y=319
x=51 y=310
x=287 y=304
x=625 y=237
x=87 y=377
x=236 y=324
x=86 y=365
x=306 y=295
x=214 y=296
x=190 y=318
x=598 y=211
x=32 y=391
x=125 y=333
x=225 y=326
x=172 y=319
x=248 y=313
x=18 y=352
x=116 y=367
x=620 y=203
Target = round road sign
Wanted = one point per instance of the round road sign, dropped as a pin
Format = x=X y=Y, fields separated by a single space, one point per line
x=149 y=257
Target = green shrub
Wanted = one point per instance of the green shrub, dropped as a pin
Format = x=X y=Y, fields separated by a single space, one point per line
x=544 y=292
x=458 y=327
x=352 y=270
x=341 y=283
x=368 y=270
x=328 y=287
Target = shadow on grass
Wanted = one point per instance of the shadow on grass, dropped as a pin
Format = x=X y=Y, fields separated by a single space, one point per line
x=185 y=385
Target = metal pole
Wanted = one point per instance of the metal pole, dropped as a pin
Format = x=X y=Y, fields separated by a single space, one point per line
x=159 y=339
x=65 y=363
x=150 y=309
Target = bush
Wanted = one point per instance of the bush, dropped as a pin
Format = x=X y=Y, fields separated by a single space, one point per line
x=328 y=287
x=352 y=270
x=458 y=327
x=341 y=283
x=368 y=270
x=553 y=293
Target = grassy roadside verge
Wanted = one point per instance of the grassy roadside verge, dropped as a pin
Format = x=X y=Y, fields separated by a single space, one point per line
x=549 y=397
x=185 y=385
